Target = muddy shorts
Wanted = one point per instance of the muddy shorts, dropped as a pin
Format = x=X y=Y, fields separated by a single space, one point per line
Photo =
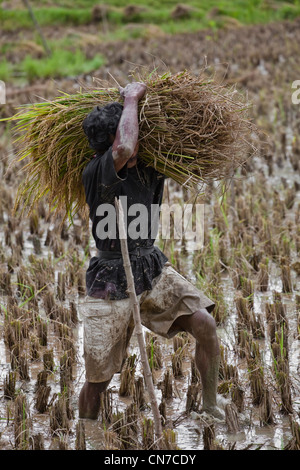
x=108 y=324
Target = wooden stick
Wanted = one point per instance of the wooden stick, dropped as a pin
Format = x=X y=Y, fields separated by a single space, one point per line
x=37 y=27
x=137 y=320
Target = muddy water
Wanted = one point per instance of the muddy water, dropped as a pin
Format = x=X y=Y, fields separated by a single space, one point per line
x=189 y=430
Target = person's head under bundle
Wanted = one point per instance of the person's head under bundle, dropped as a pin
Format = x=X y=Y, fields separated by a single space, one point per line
x=100 y=126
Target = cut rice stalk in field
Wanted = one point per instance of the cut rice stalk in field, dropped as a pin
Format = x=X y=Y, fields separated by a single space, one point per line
x=192 y=129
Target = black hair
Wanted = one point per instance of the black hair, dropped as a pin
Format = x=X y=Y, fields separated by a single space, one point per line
x=100 y=124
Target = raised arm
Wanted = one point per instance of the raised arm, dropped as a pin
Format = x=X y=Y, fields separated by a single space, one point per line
x=128 y=129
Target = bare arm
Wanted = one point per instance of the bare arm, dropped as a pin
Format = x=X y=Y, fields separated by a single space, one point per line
x=128 y=129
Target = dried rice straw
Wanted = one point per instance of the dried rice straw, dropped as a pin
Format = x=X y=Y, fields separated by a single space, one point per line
x=192 y=129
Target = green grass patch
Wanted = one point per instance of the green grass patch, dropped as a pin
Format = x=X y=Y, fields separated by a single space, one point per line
x=62 y=63
x=12 y=19
x=79 y=12
x=5 y=70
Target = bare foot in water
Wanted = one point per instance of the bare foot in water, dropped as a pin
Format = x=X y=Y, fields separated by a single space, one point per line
x=216 y=412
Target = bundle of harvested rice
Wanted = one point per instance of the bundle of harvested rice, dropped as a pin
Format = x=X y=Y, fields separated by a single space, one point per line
x=192 y=129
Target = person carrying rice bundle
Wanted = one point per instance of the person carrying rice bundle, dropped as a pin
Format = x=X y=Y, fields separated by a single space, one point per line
x=168 y=302
x=189 y=128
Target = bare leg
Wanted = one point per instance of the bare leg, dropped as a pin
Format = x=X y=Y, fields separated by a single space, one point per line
x=89 y=399
x=201 y=325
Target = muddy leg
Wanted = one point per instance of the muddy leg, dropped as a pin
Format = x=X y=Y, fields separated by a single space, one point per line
x=201 y=325
x=89 y=399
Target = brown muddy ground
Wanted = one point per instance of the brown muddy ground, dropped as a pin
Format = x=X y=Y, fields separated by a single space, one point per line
x=252 y=252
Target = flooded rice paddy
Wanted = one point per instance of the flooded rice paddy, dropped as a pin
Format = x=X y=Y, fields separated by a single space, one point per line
x=250 y=265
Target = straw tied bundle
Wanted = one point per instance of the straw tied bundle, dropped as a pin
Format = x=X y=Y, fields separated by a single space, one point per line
x=191 y=129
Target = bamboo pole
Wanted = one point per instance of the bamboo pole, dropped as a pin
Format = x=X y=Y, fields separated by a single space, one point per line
x=137 y=320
